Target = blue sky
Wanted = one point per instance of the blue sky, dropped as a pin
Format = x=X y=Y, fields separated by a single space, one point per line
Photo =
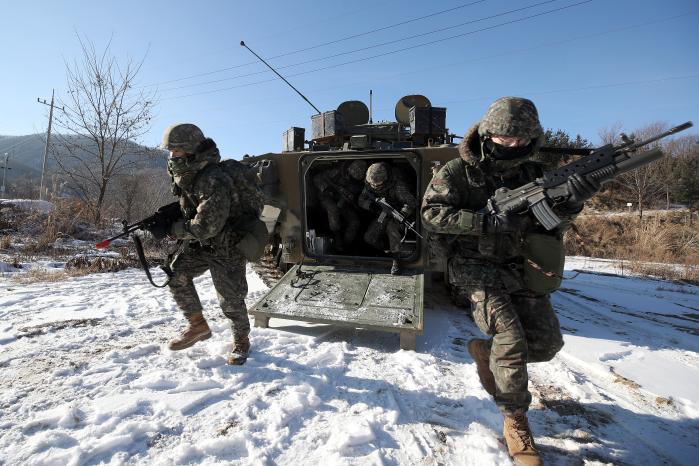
x=586 y=67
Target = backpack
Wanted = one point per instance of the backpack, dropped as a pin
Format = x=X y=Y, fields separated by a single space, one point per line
x=251 y=229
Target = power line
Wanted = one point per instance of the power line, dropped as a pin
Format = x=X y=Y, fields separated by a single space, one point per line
x=594 y=86
x=386 y=53
x=230 y=78
x=293 y=52
x=509 y=52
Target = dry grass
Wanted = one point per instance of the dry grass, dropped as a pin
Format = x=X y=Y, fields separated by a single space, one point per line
x=663 y=245
x=101 y=264
x=5 y=242
x=75 y=267
x=65 y=219
x=43 y=275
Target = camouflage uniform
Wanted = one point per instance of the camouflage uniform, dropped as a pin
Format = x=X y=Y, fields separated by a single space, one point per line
x=396 y=193
x=338 y=188
x=211 y=207
x=486 y=267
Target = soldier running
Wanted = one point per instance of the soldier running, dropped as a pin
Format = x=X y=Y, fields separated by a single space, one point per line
x=211 y=205
x=487 y=262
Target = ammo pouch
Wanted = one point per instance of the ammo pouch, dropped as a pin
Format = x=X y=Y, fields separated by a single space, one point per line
x=253 y=238
x=544 y=258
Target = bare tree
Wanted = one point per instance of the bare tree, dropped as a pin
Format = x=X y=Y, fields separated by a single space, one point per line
x=644 y=184
x=102 y=118
x=140 y=193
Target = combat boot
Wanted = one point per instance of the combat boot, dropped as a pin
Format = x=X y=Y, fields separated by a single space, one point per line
x=480 y=352
x=395 y=267
x=241 y=349
x=520 y=441
x=197 y=330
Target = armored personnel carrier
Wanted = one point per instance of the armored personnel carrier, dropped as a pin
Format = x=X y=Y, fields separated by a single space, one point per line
x=350 y=284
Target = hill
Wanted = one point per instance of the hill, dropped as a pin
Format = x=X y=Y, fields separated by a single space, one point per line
x=26 y=157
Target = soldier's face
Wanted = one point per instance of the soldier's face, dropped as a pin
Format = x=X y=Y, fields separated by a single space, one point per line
x=174 y=153
x=510 y=141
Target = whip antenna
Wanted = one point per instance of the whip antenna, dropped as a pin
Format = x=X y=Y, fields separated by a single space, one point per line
x=242 y=43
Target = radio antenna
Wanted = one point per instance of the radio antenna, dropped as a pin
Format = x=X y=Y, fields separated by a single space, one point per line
x=371 y=107
x=242 y=43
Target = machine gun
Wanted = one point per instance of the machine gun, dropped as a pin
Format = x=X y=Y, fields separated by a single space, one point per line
x=602 y=165
x=165 y=214
x=387 y=209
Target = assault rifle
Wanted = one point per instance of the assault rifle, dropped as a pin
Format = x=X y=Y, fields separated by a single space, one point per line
x=602 y=165
x=165 y=214
x=387 y=209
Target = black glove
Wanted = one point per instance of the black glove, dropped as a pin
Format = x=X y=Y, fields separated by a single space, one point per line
x=159 y=228
x=580 y=189
x=406 y=211
x=162 y=220
x=505 y=223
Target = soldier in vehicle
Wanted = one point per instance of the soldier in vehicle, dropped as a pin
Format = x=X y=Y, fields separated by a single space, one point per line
x=338 y=187
x=211 y=205
x=488 y=259
x=381 y=182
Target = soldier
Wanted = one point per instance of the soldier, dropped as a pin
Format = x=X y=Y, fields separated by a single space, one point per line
x=338 y=187
x=381 y=182
x=211 y=205
x=488 y=257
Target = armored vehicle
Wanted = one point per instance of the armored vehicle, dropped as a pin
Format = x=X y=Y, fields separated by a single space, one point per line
x=351 y=284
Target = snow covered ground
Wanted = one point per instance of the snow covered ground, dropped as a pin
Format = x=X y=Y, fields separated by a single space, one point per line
x=27 y=204
x=86 y=378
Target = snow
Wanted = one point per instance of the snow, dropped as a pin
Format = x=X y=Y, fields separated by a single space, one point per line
x=27 y=204
x=86 y=378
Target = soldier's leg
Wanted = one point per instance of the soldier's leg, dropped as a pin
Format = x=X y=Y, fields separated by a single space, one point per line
x=228 y=275
x=352 y=223
x=394 y=231
x=333 y=211
x=496 y=316
x=373 y=233
x=186 y=266
x=540 y=324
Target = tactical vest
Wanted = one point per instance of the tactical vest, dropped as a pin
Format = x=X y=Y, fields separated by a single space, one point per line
x=244 y=229
x=536 y=256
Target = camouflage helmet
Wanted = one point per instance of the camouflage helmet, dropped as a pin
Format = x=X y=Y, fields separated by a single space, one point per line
x=357 y=169
x=511 y=116
x=377 y=175
x=183 y=136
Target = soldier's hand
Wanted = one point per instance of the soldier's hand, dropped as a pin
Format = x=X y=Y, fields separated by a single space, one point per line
x=580 y=189
x=159 y=229
x=505 y=223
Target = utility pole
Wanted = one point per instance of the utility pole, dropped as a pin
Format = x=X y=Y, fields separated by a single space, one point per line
x=4 y=174
x=48 y=139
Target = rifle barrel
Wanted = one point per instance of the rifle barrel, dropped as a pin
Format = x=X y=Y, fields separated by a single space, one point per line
x=676 y=129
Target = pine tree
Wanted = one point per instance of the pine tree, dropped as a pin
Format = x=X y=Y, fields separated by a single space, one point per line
x=686 y=186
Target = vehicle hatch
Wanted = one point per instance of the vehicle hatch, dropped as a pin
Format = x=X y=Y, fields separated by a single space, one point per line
x=353 y=296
